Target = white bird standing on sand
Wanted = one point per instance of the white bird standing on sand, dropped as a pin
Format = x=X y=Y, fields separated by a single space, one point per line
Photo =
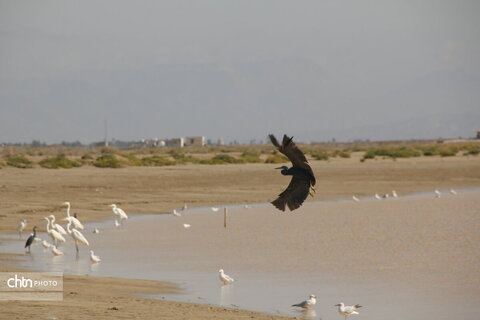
x=226 y=279
x=347 y=310
x=214 y=209
x=94 y=258
x=119 y=212
x=56 y=252
x=77 y=236
x=186 y=225
x=184 y=207
x=453 y=191
x=21 y=225
x=95 y=230
x=310 y=302
x=176 y=213
x=377 y=196
x=394 y=194
x=76 y=223
x=355 y=198
x=56 y=226
x=438 y=194
x=54 y=234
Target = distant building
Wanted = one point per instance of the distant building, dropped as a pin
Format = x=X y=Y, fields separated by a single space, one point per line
x=478 y=134
x=175 y=142
x=195 y=141
x=153 y=143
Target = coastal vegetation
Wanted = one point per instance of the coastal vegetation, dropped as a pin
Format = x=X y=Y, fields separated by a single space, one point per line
x=61 y=156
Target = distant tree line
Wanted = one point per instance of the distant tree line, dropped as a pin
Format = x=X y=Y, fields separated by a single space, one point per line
x=38 y=143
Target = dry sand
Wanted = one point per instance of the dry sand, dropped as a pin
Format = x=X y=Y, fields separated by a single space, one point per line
x=34 y=193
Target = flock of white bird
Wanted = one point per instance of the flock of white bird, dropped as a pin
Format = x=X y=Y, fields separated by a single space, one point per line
x=57 y=232
x=342 y=308
x=177 y=213
x=436 y=192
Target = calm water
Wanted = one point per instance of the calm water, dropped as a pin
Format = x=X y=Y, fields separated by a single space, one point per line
x=157 y=247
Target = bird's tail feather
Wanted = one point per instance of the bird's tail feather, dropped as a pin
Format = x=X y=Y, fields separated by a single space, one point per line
x=279 y=204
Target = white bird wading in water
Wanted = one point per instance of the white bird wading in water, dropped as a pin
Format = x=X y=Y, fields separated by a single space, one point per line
x=226 y=279
x=310 y=302
x=347 y=310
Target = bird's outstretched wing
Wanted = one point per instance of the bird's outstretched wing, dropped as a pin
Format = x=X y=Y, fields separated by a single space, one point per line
x=294 y=195
x=294 y=154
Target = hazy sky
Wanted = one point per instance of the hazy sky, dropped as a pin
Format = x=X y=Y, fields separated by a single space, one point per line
x=238 y=69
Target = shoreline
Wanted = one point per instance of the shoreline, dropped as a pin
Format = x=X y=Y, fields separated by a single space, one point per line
x=32 y=193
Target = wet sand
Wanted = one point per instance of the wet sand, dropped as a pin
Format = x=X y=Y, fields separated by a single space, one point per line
x=411 y=239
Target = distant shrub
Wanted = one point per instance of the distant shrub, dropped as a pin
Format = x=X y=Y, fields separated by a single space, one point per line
x=344 y=154
x=370 y=154
x=442 y=150
x=276 y=158
x=60 y=161
x=157 y=161
x=401 y=152
x=474 y=147
x=107 y=161
x=2 y=164
x=107 y=150
x=181 y=158
x=320 y=155
x=341 y=154
x=176 y=155
x=131 y=160
x=221 y=159
x=206 y=161
x=428 y=152
x=472 y=152
x=87 y=156
x=19 y=161
x=251 y=157
x=448 y=152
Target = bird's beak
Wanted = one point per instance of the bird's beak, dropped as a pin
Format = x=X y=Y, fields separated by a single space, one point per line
x=64 y=219
x=279 y=168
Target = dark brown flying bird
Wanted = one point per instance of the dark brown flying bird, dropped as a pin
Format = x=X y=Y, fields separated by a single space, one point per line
x=303 y=179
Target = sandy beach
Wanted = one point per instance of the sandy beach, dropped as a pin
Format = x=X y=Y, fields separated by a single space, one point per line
x=424 y=238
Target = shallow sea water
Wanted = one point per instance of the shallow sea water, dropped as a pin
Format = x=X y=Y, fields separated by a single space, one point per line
x=270 y=259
